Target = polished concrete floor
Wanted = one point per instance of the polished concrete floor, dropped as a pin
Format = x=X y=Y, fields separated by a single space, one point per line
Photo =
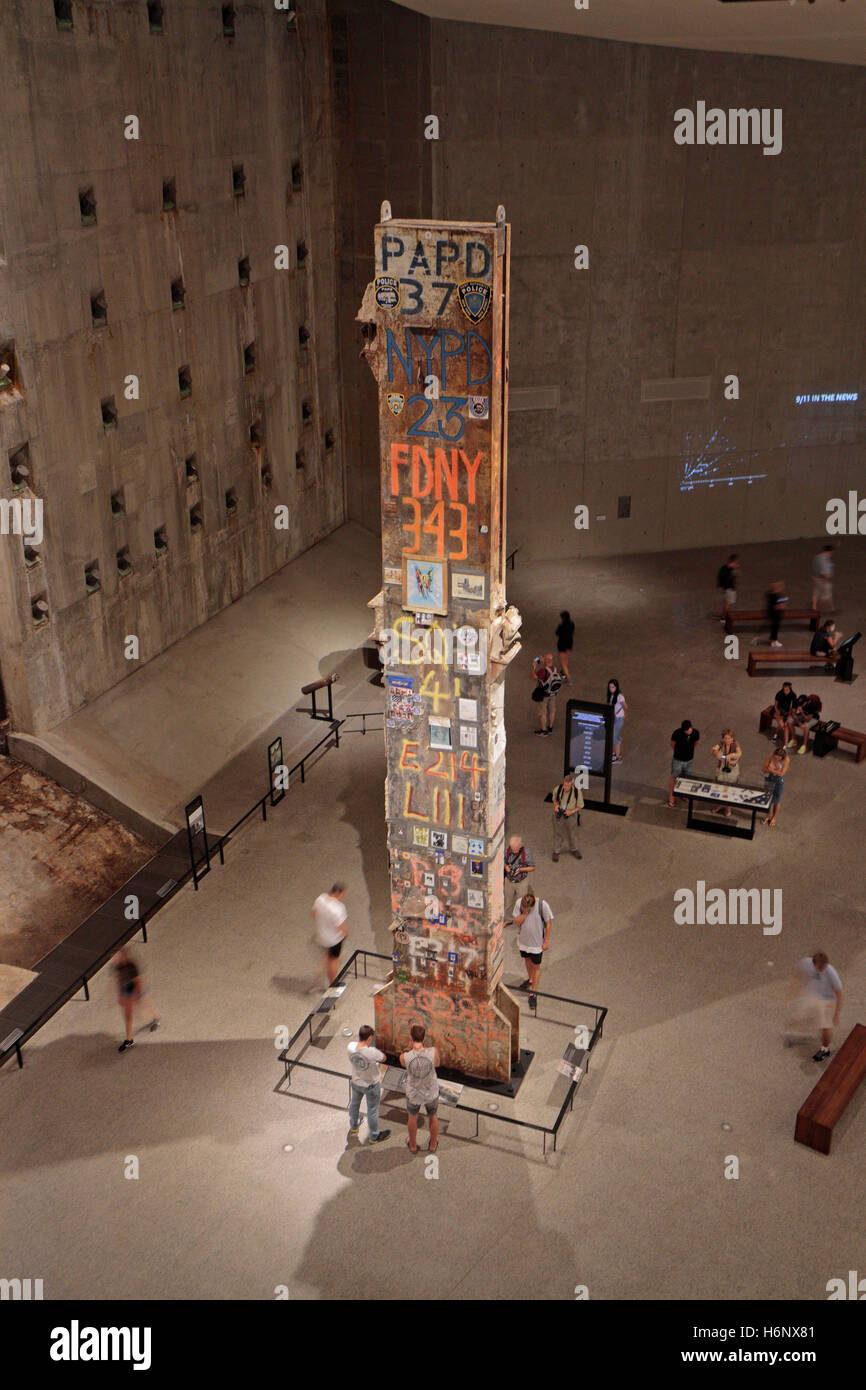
x=691 y=1070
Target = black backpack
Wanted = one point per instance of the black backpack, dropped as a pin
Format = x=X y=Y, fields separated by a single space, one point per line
x=723 y=578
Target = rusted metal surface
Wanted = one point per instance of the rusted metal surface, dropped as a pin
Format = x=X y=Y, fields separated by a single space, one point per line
x=59 y=859
x=436 y=331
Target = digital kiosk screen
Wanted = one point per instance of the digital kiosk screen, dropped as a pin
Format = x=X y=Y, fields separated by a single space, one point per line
x=588 y=726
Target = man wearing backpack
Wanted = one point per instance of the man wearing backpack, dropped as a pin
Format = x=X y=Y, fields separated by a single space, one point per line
x=548 y=681
x=727 y=582
x=567 y=803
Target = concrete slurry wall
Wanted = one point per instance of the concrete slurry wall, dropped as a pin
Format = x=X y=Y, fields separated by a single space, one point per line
x=703 y=261
x=205 y=103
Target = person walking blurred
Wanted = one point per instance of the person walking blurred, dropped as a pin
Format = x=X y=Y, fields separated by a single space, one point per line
x=564 y=643
x=329 y=915
x=823 y=569
x=130 y=992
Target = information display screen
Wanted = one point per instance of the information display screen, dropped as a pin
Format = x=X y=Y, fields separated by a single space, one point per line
x=589 y=730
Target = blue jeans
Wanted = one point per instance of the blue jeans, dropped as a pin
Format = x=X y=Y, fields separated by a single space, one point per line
x=356 y=1095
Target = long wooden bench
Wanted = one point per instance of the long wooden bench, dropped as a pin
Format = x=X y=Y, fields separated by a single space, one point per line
x=759 y=615
x=788 y=658
x=825 y=1104
x=841 y=735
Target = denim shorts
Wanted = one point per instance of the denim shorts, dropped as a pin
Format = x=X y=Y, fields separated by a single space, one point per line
x=775 y=785
x=681 y=769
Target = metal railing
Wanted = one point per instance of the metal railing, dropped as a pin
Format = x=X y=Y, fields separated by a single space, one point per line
x=546 y=1131
x=328 y=740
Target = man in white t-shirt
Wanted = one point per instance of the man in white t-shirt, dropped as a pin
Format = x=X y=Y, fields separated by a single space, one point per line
x=819 y=980
x=329 y=917
x=533 y=916
x=365 y=1084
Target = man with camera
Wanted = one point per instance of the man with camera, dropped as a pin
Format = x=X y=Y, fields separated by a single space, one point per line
x=567 y=803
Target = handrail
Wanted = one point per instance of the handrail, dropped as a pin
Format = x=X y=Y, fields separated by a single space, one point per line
x=131 y=928
x=547 y=1131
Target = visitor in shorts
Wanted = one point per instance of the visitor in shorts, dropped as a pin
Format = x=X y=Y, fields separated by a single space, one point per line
x=684 y=740
x=783 y=704
x=822 y=579
x=818 y=978
x=548 y=681
x=518 y=863
x=616 y=698
x=329 y=916
x=774 y=769
x=804 y=711
x=130 y=992
x=364 y=1084
x=567 y=804
x=533 y=916
x=564 y=642
x=727 y=753
x=727 y=582
x=422 y=1087
x=776 y=601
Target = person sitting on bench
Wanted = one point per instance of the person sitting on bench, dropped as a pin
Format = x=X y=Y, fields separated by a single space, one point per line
x=805 y=710
x=826 y=640
x=782 y=706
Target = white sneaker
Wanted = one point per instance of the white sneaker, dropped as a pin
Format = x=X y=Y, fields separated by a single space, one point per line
x=775 y=644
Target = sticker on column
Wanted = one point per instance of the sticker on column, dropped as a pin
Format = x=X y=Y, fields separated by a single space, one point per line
x=476 y=847
x=438 y=839
x=396 y=401
x=387 y=291
x=474 y=897
x=479 y=407
x=475 y=299
x=452 y=957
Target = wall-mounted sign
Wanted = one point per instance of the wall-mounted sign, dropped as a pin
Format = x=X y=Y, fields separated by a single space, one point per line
x=278 y=773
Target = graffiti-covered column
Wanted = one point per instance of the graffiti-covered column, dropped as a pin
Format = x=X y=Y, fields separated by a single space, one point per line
x=436 y=327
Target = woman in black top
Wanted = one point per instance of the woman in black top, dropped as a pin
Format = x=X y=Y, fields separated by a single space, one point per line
x=130 y=992
x=564 y=642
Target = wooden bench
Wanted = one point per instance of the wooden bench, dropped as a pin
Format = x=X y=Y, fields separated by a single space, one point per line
x=825 y=1104
x=788 y=658
x=841 y=735
x=850 y=736
x=759 y=615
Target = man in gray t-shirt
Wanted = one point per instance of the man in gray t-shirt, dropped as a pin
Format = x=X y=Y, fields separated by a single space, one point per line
x=533 y=916
x=364 y=1084
x=422 y=1086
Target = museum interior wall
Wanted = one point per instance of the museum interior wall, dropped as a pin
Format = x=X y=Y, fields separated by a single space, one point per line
x=704 y=261
x=173 y=378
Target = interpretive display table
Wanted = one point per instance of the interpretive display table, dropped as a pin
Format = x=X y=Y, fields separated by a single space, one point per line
x=719 y=796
